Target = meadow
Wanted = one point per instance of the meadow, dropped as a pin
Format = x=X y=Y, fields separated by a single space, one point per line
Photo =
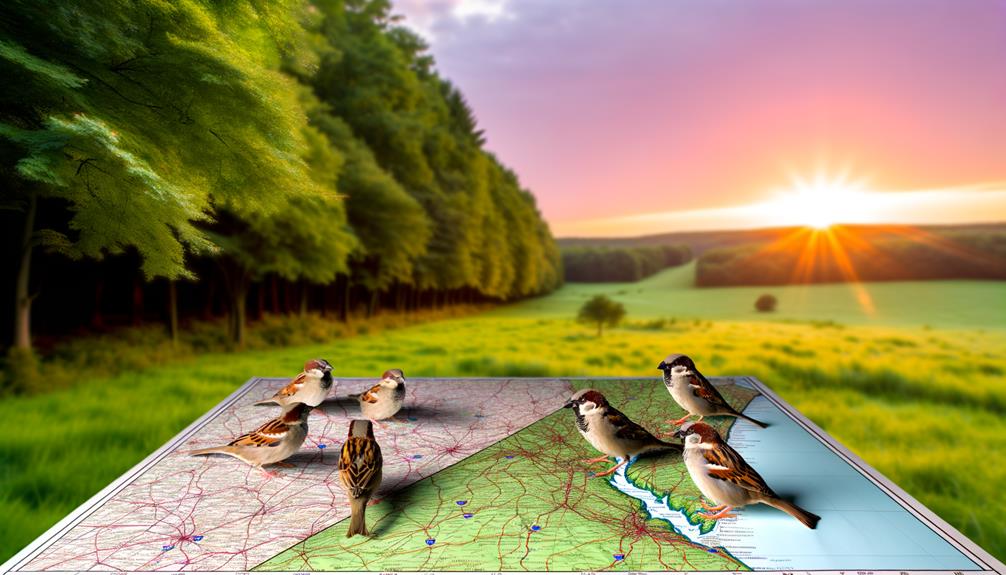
x=671 y=293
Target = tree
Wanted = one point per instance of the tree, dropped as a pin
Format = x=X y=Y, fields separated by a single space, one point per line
x=601 y=310
x=140 y=122
x=766 y=303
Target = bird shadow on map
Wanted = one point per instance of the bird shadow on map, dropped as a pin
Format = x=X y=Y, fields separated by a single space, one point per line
x=397 y=500
x=342 y=405
x=349 y=407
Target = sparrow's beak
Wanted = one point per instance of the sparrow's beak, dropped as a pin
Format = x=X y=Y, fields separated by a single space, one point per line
x=662 y=366
x=680 y=434
x=568 y=405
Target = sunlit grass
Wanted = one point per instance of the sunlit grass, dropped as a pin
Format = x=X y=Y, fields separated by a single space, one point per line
x=926 y=407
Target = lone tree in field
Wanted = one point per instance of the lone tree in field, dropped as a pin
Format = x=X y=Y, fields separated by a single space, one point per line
x=603 y=311
x=766 y=303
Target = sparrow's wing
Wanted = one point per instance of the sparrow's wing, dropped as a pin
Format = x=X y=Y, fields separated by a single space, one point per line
x=370 y=396
x=726 y=464
x=359 y=465
x=292 y=387
x=625 y=428
x=269 y=435
x=702 y=388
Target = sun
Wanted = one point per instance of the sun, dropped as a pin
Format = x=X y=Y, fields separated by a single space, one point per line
x=821 y=202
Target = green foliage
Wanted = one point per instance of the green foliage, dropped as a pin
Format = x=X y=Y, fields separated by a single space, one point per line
x=602 y=311
x=766 y=303
x=305 y=140
x=620 y=264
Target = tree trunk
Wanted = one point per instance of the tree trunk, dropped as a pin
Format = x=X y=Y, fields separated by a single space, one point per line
x=260 y=301
x=22 y=299
x=236 y=281
x=372 y=304
x=305 y=294
x=173 y=312
x=136 y=313
x=600 y=328
x=211 y=288
x=98 y=320
x=274 y=285
x=239 y=314
x=287 y=298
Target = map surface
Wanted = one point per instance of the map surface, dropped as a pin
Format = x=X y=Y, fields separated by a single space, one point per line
x=487 y=475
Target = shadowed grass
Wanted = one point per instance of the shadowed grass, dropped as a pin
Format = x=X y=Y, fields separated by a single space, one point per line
x=924 y=407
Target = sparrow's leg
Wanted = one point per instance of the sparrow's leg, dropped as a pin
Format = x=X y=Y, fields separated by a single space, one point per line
x=269 y=474
x=721 y=515
x=610 y=471
x=680 y=421
x=710 y=507
x=700 y=417
x=596 y=459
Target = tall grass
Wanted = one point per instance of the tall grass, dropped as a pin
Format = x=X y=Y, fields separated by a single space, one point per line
x=924 y=407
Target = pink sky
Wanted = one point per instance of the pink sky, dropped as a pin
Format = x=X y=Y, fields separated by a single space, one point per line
x=639 y=116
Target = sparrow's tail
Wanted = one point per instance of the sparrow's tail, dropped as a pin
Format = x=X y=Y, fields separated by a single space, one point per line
x=752 y=420
x=661 y=445
x=802 y=515
x=269 y=401
x=225 y=449
x=358 y=521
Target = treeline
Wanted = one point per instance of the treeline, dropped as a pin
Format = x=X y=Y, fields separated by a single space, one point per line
x=192 y=159
x=621 y=264
x=915 y=255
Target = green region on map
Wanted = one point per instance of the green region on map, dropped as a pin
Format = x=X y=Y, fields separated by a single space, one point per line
x=527 y=503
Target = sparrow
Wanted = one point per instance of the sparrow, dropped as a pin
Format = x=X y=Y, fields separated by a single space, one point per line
x=722 y=475
x=610 y=431
x=272 y=442
x=384 y=399
x=693 y=392
x=310 y=387
x=360 y=472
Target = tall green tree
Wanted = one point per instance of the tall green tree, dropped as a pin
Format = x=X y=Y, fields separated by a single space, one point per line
x=142 y=118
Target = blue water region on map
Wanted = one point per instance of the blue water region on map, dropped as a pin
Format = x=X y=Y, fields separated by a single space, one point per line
x=861 y=526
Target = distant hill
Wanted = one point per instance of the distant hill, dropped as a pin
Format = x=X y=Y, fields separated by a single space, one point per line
x=700 y=242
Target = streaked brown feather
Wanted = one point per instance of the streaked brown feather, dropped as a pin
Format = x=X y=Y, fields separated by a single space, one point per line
x=626 y=428
x=292 y=387
x=268 y=435
x=705 y=390
x=738 y=471
x=359 y=466
x=370 y=396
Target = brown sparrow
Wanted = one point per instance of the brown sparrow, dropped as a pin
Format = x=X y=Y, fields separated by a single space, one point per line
x=360 y=472
x=310 y=387
x=610 y=431
x=272 y=442
x=722 y=475
x=385 y=399
x=693 y=392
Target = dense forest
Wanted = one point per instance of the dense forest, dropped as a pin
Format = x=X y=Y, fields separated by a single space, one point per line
x=174 y=160
x=844 y=255
x=620 y=264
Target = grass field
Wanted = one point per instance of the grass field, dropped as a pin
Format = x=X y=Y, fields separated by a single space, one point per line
x=925 y=405
x=966 y=304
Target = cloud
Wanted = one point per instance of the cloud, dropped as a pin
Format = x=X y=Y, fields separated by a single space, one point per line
x=432 y=18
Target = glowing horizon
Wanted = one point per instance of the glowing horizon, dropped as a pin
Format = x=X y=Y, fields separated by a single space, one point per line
x=974 y=204
x=696 y=113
